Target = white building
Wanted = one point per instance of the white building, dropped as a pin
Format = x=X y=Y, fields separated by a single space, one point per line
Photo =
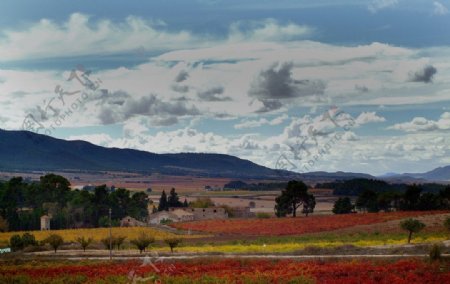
x=45 y=222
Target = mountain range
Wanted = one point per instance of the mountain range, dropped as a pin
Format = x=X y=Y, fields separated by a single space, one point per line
x=28 y=151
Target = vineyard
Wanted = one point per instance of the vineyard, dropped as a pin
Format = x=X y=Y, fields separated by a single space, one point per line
x=294 y=226
x=229 y=271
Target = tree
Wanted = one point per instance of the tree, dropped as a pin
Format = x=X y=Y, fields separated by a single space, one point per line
x=16 y=243
x=444 y=198
x=173 y=200
x=163 y=205
x=142 y=242
x=428 y=201
x=411 y=197
x=412 y=226
x=447 y=224
x=309 y=204
x=138 y=207
x=84 y=243
x=368 y=200
x=118 y=241
x=291 y=198
x=343 y=206
x=172 y=243
x=55 y=241
x=55 y=188
x=185 y=203
x=107 y=243
x=3 y=225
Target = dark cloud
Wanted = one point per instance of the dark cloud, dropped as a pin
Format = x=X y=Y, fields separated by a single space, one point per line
x=180 y=88
x=276 y=84
x=269 y=105
x=361 y=88
x=108 y=116
x=181 y=99
x=151 y=106
x=424 y=75
x=182 y=76
x=104 y=97
x=213 y=95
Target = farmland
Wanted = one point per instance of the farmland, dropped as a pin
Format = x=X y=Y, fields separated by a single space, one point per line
x=229 y=271
x=97 y=234
x=293 y=226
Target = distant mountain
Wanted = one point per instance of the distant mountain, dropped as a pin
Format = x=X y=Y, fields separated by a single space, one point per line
x=28 y=151
x=24 y=151
x=438 y=174
x=387 y=175
x=338 y=175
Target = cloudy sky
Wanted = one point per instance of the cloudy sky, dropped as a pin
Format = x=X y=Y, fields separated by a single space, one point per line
x=333 y=85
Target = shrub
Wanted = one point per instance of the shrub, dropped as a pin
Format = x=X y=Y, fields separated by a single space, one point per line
x=16 y=243
x=142 y=242
x=262 y=215
x=435 y=253
x=55 y=241
x=165 y=221
x=29 y=240
x=172 y=243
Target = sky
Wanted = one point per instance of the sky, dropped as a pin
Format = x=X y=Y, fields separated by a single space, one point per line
x=326 y=85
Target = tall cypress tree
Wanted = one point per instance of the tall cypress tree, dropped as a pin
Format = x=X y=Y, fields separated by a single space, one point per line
x=163 y=205
x=173 y=200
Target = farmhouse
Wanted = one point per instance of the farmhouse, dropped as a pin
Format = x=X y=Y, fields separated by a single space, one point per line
x=188 y=214
x=204 y=213
x=131 y=222
x=242 y=212
x=213 y=188
x=174 y=215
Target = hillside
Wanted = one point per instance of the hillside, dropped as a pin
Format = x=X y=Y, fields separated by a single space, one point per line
x=23 y=151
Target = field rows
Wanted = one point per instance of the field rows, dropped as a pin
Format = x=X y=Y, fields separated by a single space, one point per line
x=230 y=271
x=294 y=226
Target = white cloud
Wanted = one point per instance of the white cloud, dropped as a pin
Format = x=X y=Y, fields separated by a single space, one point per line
x=368 y=117
x=101 y=139
x=377 y=5
x=80 y=35
x=439 y=9
x=260 y=122
x=267 y=30
x=422 y=124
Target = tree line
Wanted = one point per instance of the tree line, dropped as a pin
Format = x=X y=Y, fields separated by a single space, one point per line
x=22 y=204
x=413 y=198
x=354 y=187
